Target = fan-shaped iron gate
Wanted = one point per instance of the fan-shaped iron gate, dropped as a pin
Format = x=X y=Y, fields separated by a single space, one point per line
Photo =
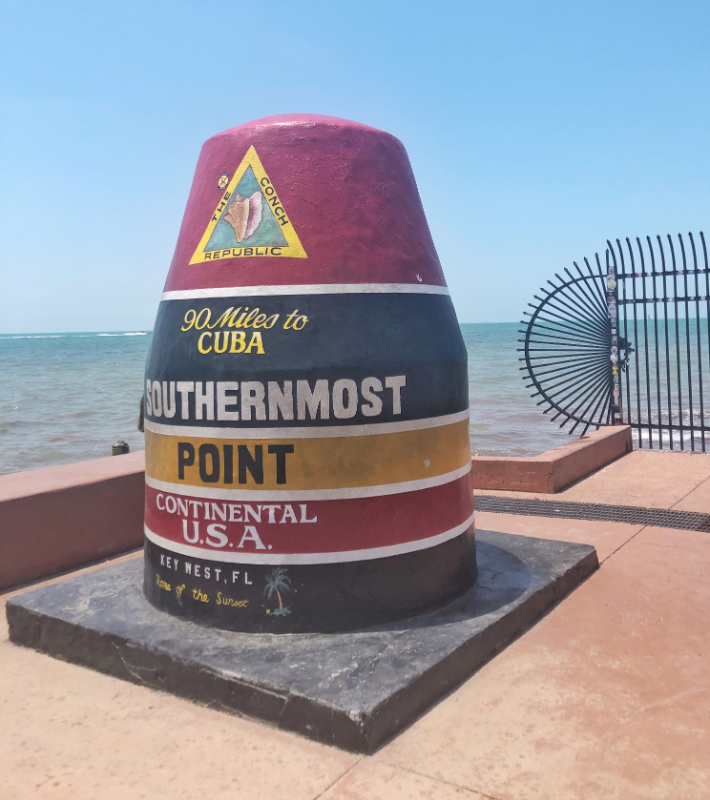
x=627 y=342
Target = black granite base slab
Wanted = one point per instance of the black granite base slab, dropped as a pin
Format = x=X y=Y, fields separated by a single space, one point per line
x=354 y=690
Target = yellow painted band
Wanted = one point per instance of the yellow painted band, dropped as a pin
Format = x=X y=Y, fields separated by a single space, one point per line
x=332 y=463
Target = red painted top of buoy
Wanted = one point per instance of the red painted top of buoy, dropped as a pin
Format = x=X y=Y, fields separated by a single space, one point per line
x=348 y=191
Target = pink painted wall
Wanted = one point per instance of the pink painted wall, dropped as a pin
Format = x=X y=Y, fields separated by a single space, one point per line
x=556 y=469
x=59 y=518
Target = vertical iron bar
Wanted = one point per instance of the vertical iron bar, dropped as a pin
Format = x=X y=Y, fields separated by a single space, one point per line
x=608 y=400
x=636 y=339
x=668 y=354
x=687 y=345
x=707 y=294
x=624 y=306
x=697 y=336
x=677 y=343
x=614 y=355
x=655 y=329
x=645 y=340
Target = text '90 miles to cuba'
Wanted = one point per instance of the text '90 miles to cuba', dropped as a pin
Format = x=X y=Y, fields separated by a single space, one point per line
x=235 y=341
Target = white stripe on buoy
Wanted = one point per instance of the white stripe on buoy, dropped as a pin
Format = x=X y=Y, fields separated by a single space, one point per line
x=306 y=289
x=322 y=432
x=301 y=495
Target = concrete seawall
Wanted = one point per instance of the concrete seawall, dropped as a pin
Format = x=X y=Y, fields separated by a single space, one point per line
x=556 y=469
x=58 y=518
x=61 y=518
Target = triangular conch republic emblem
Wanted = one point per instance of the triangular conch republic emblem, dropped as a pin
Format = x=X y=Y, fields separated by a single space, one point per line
x=250 y=219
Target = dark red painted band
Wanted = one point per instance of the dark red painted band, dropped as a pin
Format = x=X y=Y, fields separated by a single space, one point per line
x=348 y=191
x=319 y=526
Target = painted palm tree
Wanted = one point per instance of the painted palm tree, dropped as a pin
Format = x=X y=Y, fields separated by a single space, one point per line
x=277 y=581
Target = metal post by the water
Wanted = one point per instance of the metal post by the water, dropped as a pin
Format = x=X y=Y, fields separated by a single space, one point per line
x=613 y=315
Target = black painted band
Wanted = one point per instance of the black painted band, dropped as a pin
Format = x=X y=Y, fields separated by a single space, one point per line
x=352 y=338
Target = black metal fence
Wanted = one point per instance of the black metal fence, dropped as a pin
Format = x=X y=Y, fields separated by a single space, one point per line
x=627 y=342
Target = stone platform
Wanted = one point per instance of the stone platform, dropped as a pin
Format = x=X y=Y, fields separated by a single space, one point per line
x=354 y=690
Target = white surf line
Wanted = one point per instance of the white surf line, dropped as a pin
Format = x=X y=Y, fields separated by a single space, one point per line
x=330 y=432
x=306 y=289
x=304 y=495
x=308 y=558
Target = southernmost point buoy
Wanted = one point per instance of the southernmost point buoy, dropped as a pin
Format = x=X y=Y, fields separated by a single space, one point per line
x=306 y=393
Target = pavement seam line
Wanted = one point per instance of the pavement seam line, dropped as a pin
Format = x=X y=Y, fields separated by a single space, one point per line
x=689 y=493
x=439 y=780
x=630 y=539
x=339 y=778
x=672 y=699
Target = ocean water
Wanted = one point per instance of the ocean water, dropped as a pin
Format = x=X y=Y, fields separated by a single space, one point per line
x=68 y=397
x=505 y=420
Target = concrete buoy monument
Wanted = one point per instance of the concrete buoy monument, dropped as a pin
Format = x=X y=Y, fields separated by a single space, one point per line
x=306 y=392
x=307 y=464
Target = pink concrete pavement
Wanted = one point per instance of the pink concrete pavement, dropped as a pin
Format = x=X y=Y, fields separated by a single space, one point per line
x=607 y=697
x=642 y=478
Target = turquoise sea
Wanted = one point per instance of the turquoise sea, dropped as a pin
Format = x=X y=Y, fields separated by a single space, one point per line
x=67 y=397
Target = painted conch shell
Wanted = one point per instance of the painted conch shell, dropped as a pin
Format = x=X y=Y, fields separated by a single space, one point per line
x=244 y=215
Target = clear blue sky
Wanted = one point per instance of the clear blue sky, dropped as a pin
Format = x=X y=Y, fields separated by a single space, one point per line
x=535 y=130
